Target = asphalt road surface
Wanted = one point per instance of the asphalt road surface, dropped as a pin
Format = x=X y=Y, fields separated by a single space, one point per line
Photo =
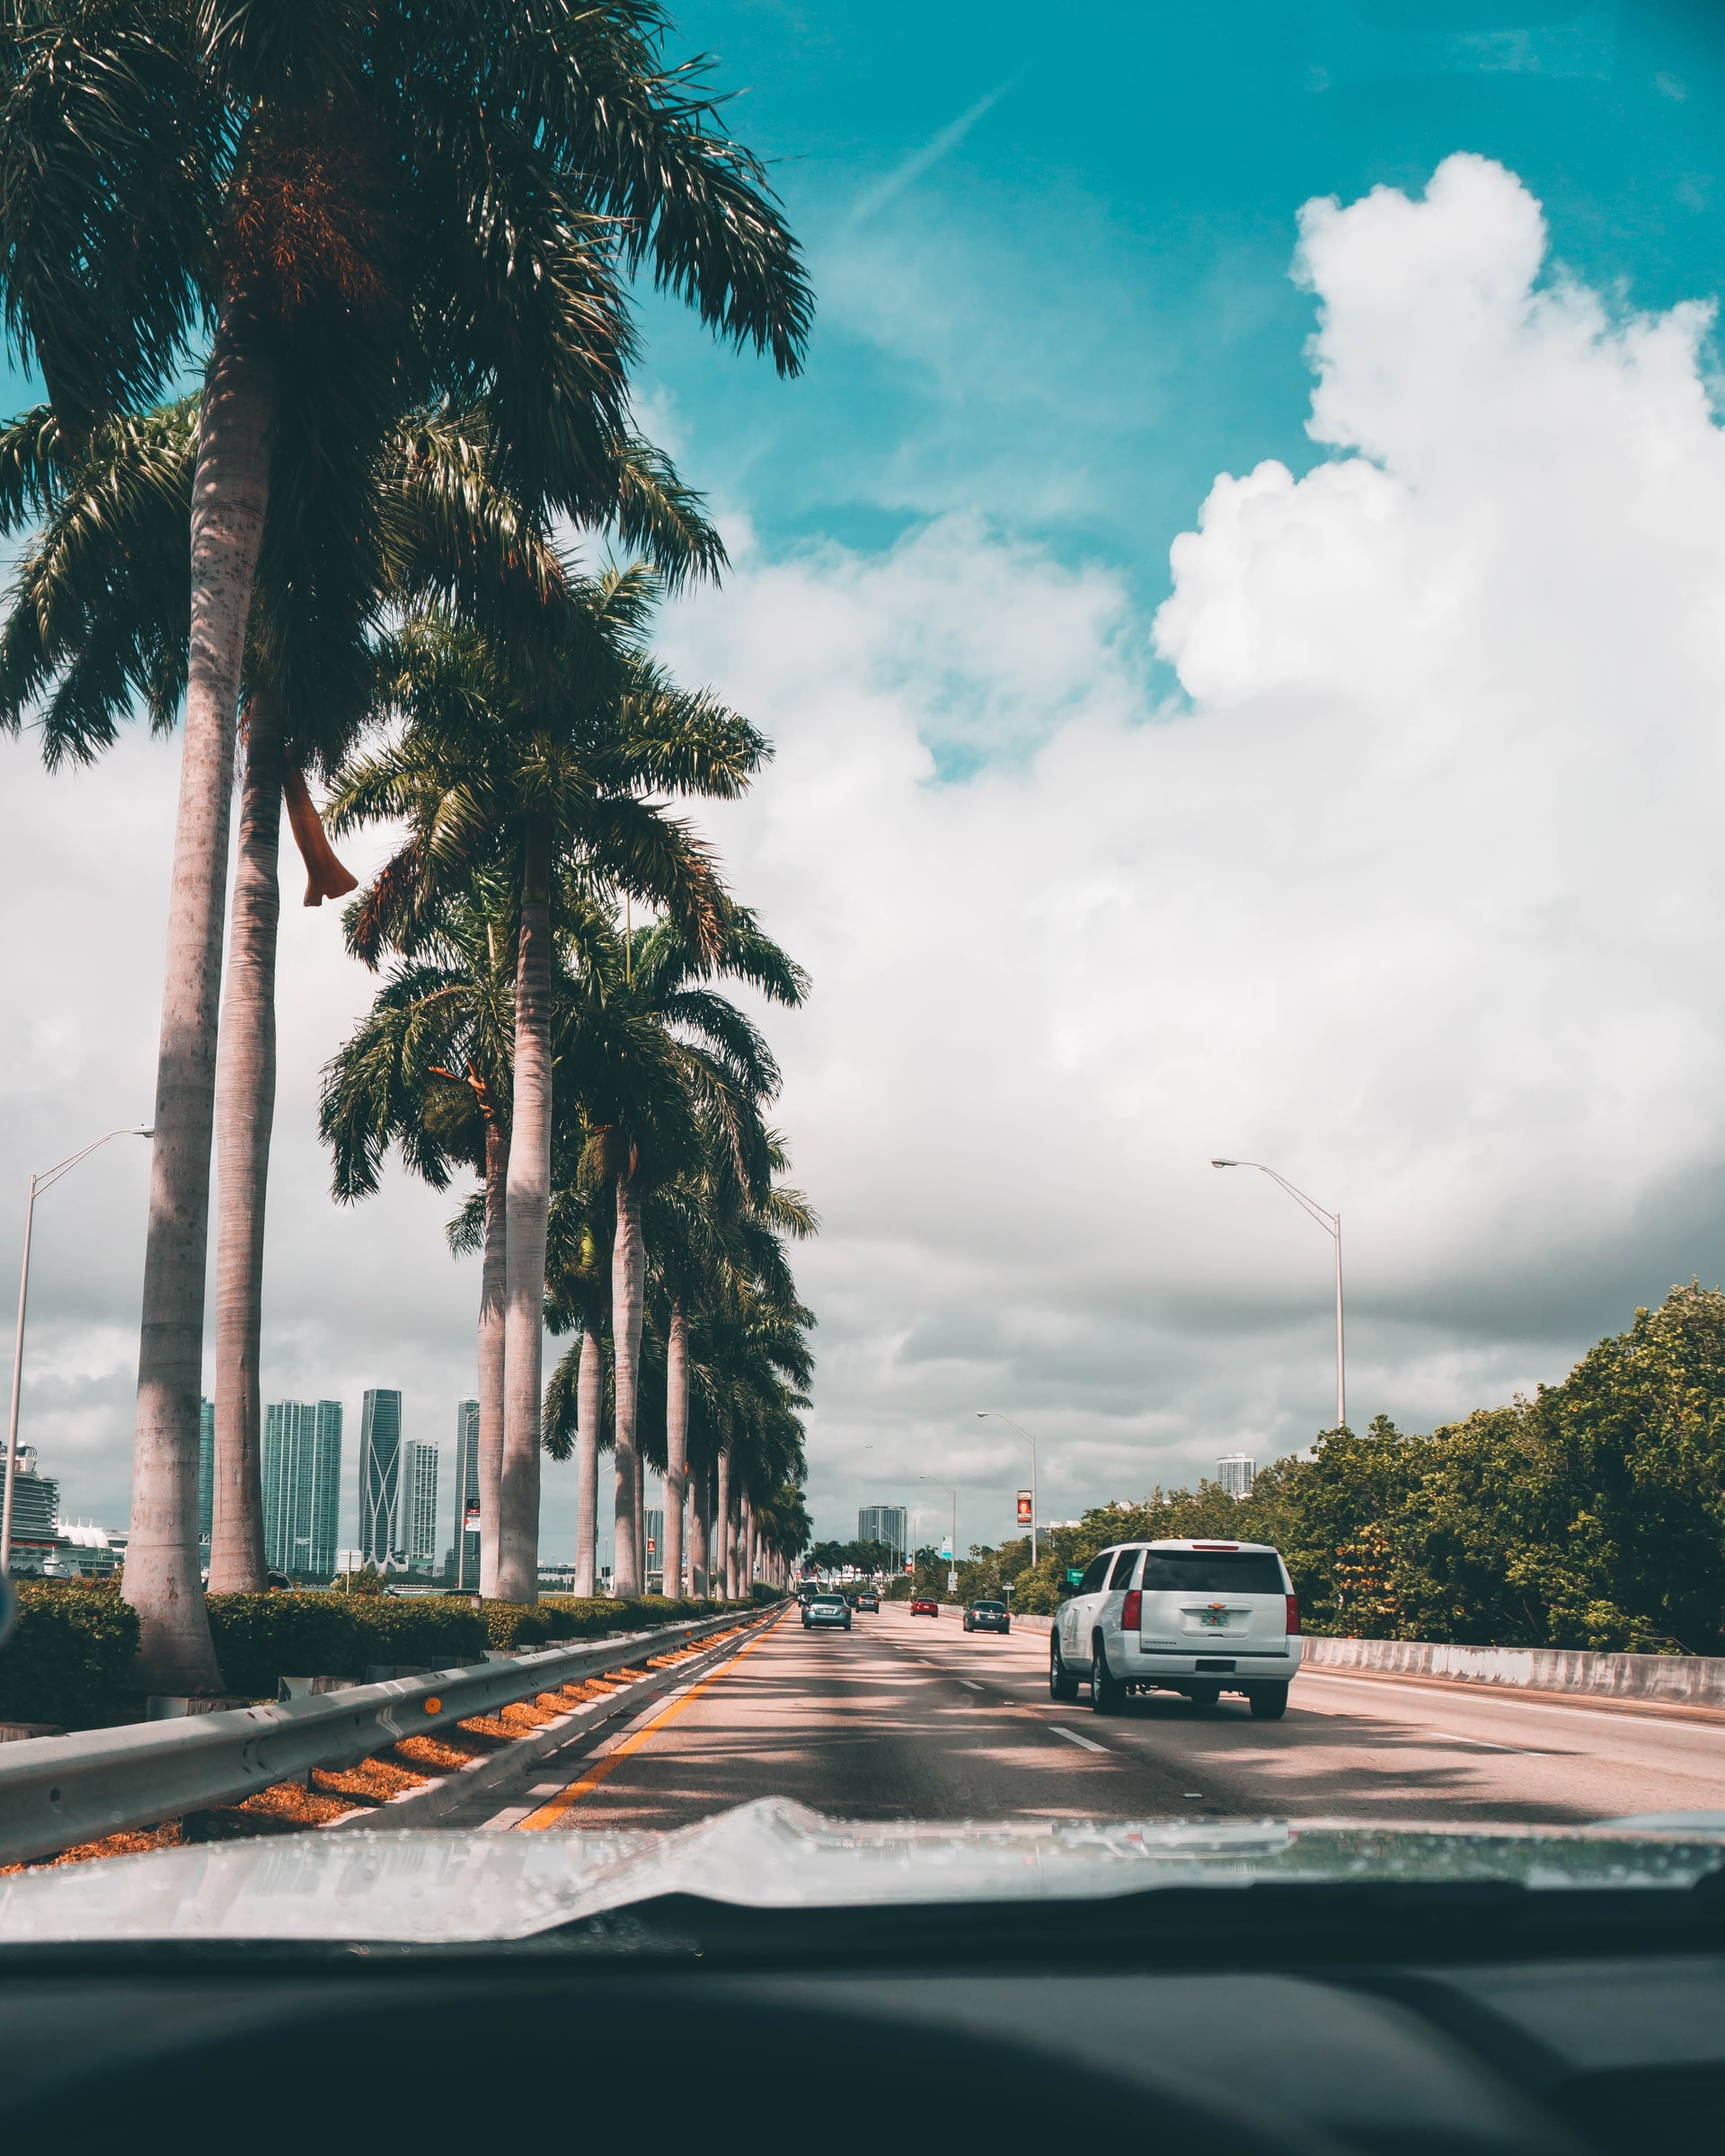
x=906 y=1718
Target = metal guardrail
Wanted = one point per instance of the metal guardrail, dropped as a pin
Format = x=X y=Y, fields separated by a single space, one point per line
x=57 y=1791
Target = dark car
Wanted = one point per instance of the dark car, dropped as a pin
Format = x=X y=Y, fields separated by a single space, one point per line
x=827 y=1608
x=987 y=1617
x=867 y=1600
x=924 y=1607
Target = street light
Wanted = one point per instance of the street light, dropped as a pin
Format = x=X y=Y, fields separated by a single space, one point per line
x=982 y=1414
x=37 y=1184
x=952 y=1560
x=1330 y=1223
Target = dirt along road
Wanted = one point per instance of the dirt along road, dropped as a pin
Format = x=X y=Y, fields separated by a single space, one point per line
x=911 y=1718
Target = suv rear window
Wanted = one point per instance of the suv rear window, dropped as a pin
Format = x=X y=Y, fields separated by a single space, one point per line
x=1211 y=1572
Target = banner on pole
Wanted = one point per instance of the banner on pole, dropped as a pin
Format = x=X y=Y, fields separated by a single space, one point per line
x=1023 y=1508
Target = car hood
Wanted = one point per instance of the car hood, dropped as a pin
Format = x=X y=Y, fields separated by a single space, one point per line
x=445 y=1888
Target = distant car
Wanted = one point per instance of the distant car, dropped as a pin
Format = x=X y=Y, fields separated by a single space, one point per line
x=825 y=1609
x=868 y=1600
x=924 y=1607
x=987 y=1617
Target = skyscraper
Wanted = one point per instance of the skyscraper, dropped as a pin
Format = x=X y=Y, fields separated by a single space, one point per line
x=420 y=1503
x=380 y=1474
x=326 y=1488
x=467 y=1542
x=887 y=1524
x=302 y=1485
x=206 y=1474
x=1235 y=1472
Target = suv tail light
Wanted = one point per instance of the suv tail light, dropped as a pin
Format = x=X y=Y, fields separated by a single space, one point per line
x=1292 y=1612
x=1132 y=1611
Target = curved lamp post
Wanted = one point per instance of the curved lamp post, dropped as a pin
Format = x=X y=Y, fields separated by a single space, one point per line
x=37 y=1184
x=1330 y=1223
x=982 y=1413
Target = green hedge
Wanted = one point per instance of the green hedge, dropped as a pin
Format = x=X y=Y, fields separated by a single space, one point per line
x=70 y=1659
x=262 y=1638
x=585 y=1617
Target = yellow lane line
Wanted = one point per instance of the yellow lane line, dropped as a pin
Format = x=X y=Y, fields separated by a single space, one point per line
x=549 y=1814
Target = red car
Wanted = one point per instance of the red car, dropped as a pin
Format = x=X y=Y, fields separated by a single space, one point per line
x=924 y=1608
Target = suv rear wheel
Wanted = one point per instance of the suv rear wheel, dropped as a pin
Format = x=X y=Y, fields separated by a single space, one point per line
x=1269 y=1702
x=1106 y=1693
x=1062 y=1684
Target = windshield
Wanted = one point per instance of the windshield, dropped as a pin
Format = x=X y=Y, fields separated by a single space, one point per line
x=1210 y=1572
x=1004 y=767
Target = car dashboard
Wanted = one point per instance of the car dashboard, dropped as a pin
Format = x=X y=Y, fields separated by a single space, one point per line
x=1250 y=2023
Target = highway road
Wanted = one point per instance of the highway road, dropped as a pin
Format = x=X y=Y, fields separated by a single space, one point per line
x=907 y=1718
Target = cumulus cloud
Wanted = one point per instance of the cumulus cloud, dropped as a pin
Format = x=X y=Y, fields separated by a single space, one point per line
x=1410 y=890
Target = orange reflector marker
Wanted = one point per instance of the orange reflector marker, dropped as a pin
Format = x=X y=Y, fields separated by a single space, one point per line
x=434 y=1706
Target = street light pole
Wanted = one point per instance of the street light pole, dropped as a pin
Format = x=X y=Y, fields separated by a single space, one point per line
x=982 y=1413
x=37 y=1184
x=1330 y=1223
x=952 y=1560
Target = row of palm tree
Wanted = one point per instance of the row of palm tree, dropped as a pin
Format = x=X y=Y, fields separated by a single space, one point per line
x=650 y=1141
x=401 y=237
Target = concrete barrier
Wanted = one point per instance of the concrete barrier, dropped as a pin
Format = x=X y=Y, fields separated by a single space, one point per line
x=1676 y=1680
x=1673 y=1680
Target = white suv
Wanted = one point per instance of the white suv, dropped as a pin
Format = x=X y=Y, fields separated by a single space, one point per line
x=1201 y=1618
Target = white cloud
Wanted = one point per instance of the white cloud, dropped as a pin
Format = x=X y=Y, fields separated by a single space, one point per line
x=1418 y=900
x=1417 y=895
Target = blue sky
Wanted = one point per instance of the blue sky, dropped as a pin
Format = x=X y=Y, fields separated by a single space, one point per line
x=1074 y=311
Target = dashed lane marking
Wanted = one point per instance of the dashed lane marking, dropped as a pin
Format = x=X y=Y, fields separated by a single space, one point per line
x=1073 y=1737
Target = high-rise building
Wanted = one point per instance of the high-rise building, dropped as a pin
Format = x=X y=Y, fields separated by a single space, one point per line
x=467 y=1542
x=888 y=1524
x=380 y=1475
x=35 y=1515
x=205 y=1473
x=1235 y=1472
x=653 y=1527
x=302 y=1485
x=420 y=1503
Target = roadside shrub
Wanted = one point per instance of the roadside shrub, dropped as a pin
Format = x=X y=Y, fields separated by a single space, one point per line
x=261 y=1639
x=515 y=1624
x=70 y=1658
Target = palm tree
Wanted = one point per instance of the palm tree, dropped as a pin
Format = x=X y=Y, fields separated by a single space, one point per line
x=367 y=206
x=428 y=1069
x=111 y=518
x=543 y=759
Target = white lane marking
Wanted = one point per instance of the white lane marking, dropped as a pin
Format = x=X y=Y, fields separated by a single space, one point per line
x=1073 y=1737
x=1481 y=1744
x=968 y=1686
x=547 y=1789
x=506 y=1819
x=1494 y=1697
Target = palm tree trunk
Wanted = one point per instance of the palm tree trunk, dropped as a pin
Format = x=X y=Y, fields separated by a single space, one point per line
x=589 y=1405
x=722 y=1537
x=628 y=1278
x=529 y=1200
x=676 y=1442
x=493 y=1303
x=698 y=1559
x=641 y=1519
x=230 y=492
x=245 y=1109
